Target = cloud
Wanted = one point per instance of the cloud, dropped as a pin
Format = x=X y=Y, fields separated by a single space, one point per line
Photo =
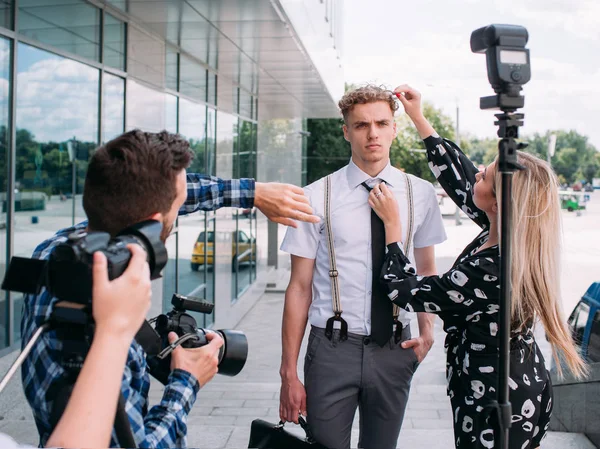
x=427 y=45
x=57 y=99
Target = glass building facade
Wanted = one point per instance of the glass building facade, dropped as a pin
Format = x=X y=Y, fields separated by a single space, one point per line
x=235 y=81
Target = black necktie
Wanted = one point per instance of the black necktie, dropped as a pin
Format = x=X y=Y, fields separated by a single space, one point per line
x=382 y=316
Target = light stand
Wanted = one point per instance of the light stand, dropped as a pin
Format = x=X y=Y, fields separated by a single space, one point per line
x=508 y=66
x=508 y=131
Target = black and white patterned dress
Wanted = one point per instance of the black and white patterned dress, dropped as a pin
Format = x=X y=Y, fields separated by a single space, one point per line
x=467 y=299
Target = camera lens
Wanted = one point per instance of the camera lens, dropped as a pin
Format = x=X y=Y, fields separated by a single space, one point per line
x=233 y=353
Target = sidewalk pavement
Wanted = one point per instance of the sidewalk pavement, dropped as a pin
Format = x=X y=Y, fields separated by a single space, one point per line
x=226 y=407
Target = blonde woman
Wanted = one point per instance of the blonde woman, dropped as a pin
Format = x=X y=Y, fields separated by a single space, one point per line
x=467 y=297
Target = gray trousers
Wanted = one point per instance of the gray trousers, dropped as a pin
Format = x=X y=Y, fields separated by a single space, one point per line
x=340 y=376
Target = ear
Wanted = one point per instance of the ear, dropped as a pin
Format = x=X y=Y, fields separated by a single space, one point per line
x=395 y=128
x=345 y=129
x=495 y=207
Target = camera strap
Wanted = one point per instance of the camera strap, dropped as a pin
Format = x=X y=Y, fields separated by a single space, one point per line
x=149 y=339
x=74 y=327
x=333 y=273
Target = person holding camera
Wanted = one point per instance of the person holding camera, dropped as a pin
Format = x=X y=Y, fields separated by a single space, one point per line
x=119 y=308
x=467 y=297
x=135 y=177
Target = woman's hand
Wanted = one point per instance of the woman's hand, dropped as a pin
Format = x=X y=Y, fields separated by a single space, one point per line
x=383 y=202
x=411 y=100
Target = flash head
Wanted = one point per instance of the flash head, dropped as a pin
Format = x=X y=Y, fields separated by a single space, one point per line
x=508 y=64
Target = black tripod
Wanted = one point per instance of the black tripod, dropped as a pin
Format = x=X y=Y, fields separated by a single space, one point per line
x=74 y=326
x=508 y=123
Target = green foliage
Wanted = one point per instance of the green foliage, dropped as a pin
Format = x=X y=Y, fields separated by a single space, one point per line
x=327 y=150
x=402 y=154
x=574 y=159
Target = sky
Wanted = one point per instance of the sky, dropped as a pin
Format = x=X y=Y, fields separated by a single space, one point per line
x=425 y=43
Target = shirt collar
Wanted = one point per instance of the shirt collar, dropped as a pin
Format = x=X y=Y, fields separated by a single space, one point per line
x=356 y=176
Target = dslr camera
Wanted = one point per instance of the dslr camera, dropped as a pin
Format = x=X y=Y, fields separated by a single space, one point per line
x=232 y=355
x=67 y=275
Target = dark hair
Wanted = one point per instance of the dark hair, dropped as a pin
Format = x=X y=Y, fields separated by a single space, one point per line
x=132 y=177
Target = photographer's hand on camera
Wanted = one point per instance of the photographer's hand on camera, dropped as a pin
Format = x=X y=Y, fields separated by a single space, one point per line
x=112 y=314
x=202 y=363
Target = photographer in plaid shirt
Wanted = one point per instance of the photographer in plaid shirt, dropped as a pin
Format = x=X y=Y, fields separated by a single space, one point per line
x=134 y=177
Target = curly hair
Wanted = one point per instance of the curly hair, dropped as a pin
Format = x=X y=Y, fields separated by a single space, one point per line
x=366 y=94
x=132 y=177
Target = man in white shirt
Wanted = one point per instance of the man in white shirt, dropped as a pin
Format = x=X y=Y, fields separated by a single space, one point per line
x=360 y=369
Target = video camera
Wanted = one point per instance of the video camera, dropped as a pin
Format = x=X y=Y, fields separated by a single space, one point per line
x=67 y=275
x=232 y=355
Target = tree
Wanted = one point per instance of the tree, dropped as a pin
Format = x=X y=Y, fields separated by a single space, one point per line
x=579 y=159
x=326 y=150
x=402 y=152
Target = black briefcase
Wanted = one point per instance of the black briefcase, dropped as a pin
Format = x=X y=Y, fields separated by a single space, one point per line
x=266 y=435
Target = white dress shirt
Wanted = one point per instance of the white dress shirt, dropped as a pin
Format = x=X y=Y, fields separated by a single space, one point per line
x=351 y=225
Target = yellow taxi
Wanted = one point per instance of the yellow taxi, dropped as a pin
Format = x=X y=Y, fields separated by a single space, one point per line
x=243 y=254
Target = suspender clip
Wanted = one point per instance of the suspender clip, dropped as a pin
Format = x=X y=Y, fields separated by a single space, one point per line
x=337 y=316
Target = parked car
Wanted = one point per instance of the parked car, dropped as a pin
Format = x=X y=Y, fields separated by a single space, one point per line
x=572 y=201
x=584 y=324
x=244 y=252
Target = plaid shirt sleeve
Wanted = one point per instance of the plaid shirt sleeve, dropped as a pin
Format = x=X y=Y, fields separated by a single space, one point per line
x=211 y=193
x=165 y=425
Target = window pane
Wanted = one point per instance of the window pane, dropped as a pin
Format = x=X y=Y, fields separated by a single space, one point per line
x=70 y=25
x=6 y=13
x=245 y=251
x=212 y=89
x=114 y=42
x=113 y=107
x=145 y=107
x=121 y=4
x=196 y=247
x=245 y=104
x=192 y=125
x=171 y=68
x=171 y=113
x=145 y=57
x=211 y=142
x=192 y=78
x=57 y=127
x=5 y=51
x=169 y=273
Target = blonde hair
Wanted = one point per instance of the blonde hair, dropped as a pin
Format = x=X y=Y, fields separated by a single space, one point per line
x=536 y=234
x=366 y=94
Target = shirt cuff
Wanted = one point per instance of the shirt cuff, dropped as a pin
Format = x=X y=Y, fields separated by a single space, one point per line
x=242 y=192
x=182 y=388
x=432 y=140
x=395 y=248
